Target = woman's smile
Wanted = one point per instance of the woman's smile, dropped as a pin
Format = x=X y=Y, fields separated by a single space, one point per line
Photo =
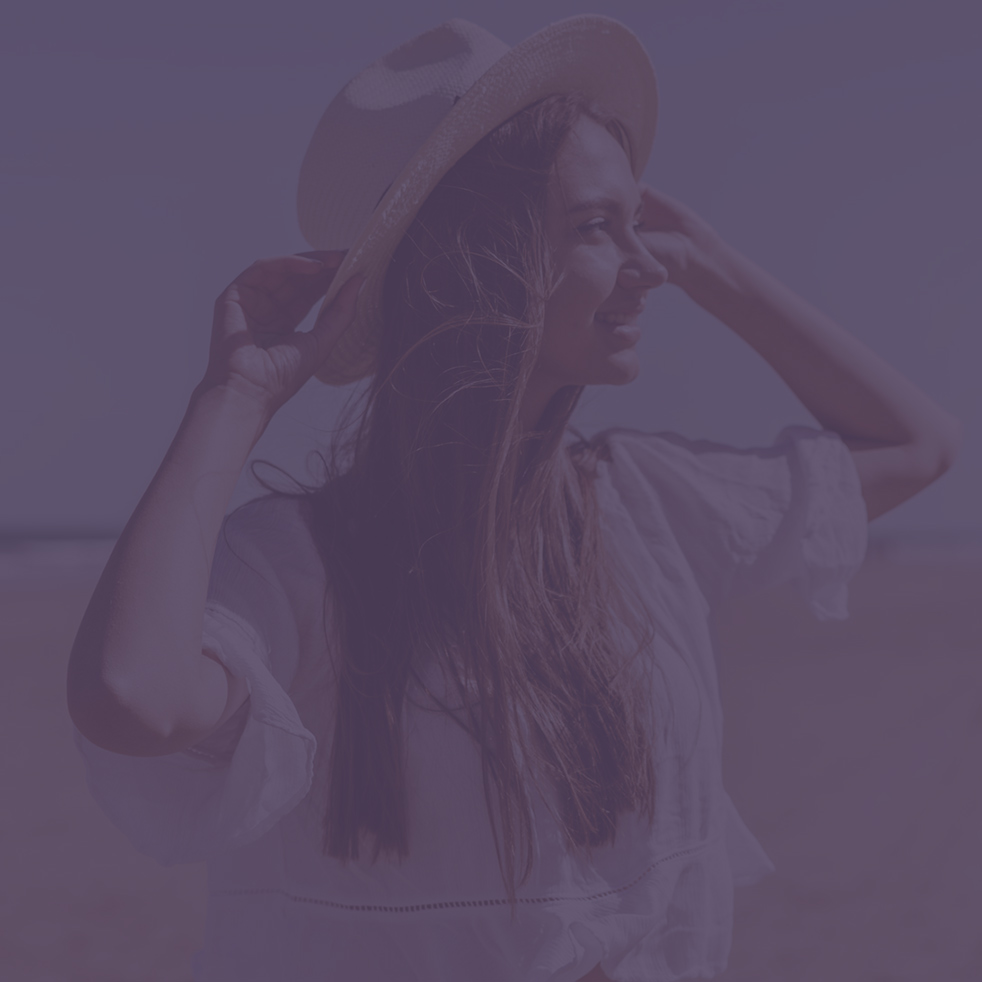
x=620 y=325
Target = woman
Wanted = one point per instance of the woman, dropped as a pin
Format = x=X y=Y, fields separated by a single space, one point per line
x=457 y=716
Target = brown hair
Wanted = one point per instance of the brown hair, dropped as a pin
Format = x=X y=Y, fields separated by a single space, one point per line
x=450 y=532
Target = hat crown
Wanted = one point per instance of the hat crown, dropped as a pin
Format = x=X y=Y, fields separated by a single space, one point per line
x=445 y=61
x=376 y=124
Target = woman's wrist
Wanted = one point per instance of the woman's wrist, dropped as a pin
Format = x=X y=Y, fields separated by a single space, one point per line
x=229 y=403
x=747 y=298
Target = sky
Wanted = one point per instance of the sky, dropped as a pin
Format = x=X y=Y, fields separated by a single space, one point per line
x=151 y=152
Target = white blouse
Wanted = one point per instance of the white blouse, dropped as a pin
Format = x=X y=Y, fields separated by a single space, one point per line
x=693 y=522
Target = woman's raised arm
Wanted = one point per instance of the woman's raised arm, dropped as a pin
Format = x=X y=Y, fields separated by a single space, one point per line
x=138 y=682
x=901 y=440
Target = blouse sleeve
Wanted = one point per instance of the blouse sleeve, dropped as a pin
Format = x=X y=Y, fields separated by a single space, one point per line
x=234 y=786
x=749 y=519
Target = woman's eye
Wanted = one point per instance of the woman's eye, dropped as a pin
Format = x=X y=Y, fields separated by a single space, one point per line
x=598 y=223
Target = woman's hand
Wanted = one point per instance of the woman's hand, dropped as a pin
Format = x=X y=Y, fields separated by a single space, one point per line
x=678 y=238
x=255 y=347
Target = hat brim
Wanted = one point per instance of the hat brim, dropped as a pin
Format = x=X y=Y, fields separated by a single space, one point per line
x=592 y=54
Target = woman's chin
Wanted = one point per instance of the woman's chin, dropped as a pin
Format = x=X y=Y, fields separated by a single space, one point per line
x=623 y=367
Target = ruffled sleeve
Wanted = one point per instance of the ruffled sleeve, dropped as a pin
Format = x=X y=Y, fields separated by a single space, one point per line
x=234 y=786
x=750 y=518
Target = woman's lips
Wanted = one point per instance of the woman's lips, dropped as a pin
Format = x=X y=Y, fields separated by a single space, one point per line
x=619 y=324
x=624 y=332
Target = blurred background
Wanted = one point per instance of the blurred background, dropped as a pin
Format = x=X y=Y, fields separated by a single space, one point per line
x=151 y=152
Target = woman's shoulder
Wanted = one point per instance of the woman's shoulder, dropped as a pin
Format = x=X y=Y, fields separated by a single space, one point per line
x=272 y=521
x=634 y=460
x=275 y=510
x=615 y=442
x=607 y=442
x=270 y=537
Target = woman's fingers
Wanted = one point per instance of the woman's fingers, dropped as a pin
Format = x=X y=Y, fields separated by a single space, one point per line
x=276 y=294
x=254 y=339
x=273 y=275
x=660 y=211
x=675 y=235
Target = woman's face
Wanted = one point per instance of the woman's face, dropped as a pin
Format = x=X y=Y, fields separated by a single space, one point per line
x=604 y=270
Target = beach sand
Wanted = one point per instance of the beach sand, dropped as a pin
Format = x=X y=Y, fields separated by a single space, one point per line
x=852 y=750
x=79 y=903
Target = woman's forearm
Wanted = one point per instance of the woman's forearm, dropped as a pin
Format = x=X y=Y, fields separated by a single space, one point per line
x=137 y=680
x=841 y=382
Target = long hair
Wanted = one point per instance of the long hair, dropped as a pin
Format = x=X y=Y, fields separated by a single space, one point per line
x=449 y=531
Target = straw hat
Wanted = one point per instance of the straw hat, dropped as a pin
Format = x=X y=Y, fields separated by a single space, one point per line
x=397 y=127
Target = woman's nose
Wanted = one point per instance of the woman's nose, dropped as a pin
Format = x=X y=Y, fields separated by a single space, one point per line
x=642 y=271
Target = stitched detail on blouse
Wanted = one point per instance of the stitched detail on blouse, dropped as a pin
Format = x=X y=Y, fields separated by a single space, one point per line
x=442 y=905
x=211 y=756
